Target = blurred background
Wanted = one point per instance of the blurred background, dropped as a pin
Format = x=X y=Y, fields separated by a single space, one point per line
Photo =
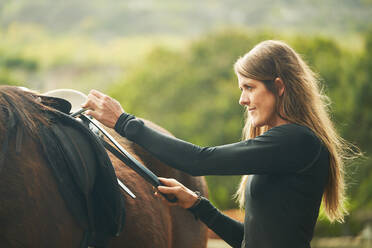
x=170 y=61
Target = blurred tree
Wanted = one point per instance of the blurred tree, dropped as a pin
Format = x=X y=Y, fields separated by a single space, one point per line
x=11 y=64
x=360 y=126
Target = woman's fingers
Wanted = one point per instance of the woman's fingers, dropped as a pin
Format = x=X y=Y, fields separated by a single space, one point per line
x=185 y=197
x=92 y=113
x=169 y=181
x=169 y=190
x=91 y=102
x=92 y=105
x=103 y=108
x=96 y=93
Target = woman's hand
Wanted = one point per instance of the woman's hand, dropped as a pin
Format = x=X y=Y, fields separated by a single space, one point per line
x=103 y=108
x=185 y=197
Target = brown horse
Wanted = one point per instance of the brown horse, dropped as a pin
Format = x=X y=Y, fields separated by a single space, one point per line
x=34 y=214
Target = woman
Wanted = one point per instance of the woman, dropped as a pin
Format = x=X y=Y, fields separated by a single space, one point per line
x=290 y=150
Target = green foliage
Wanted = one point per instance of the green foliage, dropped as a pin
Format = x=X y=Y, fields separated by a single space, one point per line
x=46 y=62
x=6 y=78
x=105 y=19
x=11 y=63
x=360 y=126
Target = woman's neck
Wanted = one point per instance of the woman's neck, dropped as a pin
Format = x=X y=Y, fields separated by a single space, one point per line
x=277 y=122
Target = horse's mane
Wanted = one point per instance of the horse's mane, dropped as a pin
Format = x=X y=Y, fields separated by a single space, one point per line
x=21 y=109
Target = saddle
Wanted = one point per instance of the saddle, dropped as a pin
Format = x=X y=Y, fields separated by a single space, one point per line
x=85 y=176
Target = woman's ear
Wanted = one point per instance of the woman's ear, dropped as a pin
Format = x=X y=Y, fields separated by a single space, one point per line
x=279 y=85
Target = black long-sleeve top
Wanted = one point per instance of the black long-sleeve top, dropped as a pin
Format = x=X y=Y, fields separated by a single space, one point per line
x=288 y=167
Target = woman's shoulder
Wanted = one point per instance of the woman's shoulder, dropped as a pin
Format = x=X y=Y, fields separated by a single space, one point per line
x=297 y=142
x=292 y=134
x=292 y=129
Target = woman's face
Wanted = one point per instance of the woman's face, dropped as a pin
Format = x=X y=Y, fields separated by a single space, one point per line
x=260 y=102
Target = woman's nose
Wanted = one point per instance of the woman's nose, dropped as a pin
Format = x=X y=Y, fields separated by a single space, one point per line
x=244 y=99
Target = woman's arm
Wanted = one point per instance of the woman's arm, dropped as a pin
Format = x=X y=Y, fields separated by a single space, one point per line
x=284 y=149
x=228 y=229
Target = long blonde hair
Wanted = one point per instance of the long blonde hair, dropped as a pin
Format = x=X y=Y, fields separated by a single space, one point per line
x=302 y=103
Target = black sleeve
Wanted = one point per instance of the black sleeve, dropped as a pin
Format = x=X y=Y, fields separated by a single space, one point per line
x=228 y=229
x=284 y=149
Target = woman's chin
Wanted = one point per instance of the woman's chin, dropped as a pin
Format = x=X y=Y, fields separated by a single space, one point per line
x=254 y=124
x=257 y=123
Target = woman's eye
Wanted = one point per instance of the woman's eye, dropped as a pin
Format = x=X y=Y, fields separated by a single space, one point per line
x=245 y=87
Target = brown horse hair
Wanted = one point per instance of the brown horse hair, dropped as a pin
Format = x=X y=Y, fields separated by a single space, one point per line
x=20 y=107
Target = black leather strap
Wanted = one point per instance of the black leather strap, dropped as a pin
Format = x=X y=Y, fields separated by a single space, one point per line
x=133 y=164
x=139 y=168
